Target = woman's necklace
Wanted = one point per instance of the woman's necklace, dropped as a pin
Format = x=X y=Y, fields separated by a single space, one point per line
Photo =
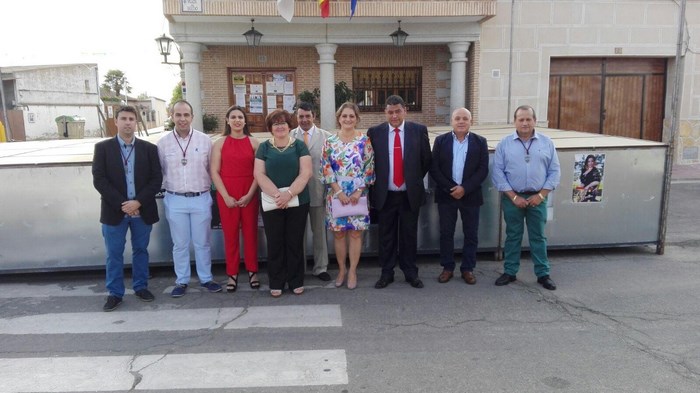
x=289 y=143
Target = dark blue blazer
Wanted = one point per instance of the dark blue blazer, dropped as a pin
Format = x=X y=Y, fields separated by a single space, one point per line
x=416 y=162
x=476 y=168
x=109 y=179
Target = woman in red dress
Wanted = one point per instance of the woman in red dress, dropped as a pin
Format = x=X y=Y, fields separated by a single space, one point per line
x=232 y=160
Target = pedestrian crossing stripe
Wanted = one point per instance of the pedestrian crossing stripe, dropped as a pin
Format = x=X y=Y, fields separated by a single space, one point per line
x=121 y=321
x=174 y=371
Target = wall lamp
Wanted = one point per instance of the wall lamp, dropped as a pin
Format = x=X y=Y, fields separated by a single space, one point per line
x=165 y=44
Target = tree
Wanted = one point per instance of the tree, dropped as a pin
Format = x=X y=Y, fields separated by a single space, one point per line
x=177 y=94
x=115 y=80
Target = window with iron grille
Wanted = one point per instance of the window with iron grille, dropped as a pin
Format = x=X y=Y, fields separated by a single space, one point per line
x=373 y=85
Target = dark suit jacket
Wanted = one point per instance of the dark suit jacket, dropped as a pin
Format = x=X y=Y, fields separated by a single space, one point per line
x=476 y=168
x=109 y=179
x=416 y=163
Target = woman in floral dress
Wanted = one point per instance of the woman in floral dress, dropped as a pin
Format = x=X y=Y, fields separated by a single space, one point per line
x=347 y=169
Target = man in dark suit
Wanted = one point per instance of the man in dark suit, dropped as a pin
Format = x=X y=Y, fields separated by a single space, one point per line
x=401 y=160
x=460 y=164
x=126 y=172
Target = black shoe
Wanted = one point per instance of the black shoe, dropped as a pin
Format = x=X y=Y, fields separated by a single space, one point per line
x=547 y=283
x=505 y=279
x=144 y=295
x=323 y=276
x=415 y=283
x=383 y=282
x=112 y=303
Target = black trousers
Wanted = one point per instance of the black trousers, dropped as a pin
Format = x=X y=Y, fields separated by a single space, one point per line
x=470 y=228
x=398 y=236
x=284 y=230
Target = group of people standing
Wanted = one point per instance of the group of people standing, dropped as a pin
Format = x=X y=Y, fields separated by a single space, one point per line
x=303 y=172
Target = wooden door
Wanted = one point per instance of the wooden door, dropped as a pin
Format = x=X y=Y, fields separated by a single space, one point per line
x=261 y=91
x=620 y=96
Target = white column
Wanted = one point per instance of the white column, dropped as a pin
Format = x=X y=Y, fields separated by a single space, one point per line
x=191 y=57
x=458 y=78
x=326 y=54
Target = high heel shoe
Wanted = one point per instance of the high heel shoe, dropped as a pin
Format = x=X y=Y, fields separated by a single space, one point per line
x=339 y=280
x=352 y=280
x=232 y=283
x=253 y=280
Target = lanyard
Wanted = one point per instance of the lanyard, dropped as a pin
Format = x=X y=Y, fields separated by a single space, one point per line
x=527 y=148
x=126 y=158
x=184 y=151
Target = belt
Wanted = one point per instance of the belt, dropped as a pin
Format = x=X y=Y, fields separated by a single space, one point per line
x=528 y=193
x=187 y=194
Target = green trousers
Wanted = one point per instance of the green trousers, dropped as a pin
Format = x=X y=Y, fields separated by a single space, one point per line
x=535 y=218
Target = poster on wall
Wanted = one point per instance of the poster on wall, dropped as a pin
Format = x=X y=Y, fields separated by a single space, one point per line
x=239 y=90
x=256 y=89
x=589 y=170
x=289 y=88
x=256 y=103
x=271 y=103
x=275 y=87
x=238 y=79
x=289 y=102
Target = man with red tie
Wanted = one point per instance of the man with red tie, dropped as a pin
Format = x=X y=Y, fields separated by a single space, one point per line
x=401 y=160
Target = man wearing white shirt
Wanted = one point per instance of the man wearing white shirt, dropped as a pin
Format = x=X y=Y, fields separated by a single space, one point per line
x=184 y=157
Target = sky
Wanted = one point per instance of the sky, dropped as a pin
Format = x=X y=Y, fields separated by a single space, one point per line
x=114 y=34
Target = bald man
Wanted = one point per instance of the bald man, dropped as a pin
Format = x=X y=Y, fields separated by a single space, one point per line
x=460 y=164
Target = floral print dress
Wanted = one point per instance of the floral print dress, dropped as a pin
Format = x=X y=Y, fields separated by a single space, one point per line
x=351 y=165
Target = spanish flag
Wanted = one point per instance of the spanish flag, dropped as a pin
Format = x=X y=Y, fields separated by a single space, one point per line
x=325 y=8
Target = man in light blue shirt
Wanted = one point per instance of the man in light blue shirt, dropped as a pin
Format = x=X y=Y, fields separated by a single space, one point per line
x=526 y=169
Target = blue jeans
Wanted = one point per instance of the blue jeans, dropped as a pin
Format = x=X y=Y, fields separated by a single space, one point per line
x=535 y=218
x=190 y=222
x=115 y=241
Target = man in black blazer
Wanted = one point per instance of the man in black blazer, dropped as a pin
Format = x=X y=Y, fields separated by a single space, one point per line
x=401 y=160
x=460 y=164
x=126 y=172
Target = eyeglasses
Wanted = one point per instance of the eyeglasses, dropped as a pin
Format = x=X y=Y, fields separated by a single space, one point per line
x=280 y=124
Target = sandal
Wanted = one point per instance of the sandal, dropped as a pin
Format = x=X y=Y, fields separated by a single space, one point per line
x=275 y=292
x=253 y=280
x=298 y=291
x=232 y=283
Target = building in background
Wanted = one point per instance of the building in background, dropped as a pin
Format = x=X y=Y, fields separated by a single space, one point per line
x=590 y=65
x=36 y=95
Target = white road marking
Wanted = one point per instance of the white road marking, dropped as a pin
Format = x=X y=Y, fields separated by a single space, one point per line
x=168 y=372
x=120 y=321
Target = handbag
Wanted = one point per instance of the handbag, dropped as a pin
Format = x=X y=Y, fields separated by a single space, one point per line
x=268 y=202
x=360 y=209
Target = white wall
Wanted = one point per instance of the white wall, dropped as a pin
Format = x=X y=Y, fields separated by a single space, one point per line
x=44 y=125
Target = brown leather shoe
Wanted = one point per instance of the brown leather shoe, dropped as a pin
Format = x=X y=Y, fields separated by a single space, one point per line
x=445 y=276
x=469 y=278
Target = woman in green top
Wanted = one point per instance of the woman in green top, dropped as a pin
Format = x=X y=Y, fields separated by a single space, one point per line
x=282 y=169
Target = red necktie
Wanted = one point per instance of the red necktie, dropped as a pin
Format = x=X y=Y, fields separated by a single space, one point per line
x=398 y=159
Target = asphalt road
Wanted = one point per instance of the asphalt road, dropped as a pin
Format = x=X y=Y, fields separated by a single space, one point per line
x=621 y=320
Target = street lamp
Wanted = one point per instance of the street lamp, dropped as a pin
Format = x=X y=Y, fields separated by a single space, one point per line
x=164 y=45
x=399 y=36
x=252 y=36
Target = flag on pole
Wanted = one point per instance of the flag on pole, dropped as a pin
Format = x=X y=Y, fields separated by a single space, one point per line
x=286 y=9
x=353 y=4
x=325 y=8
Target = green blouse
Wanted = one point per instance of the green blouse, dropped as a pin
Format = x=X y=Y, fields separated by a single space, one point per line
x=283 y=167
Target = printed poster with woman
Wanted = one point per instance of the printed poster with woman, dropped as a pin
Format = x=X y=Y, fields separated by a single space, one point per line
x=588 y=177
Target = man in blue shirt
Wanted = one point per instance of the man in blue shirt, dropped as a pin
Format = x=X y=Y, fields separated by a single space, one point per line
x=126 y=172
x=460 y=164
x=525 y=170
